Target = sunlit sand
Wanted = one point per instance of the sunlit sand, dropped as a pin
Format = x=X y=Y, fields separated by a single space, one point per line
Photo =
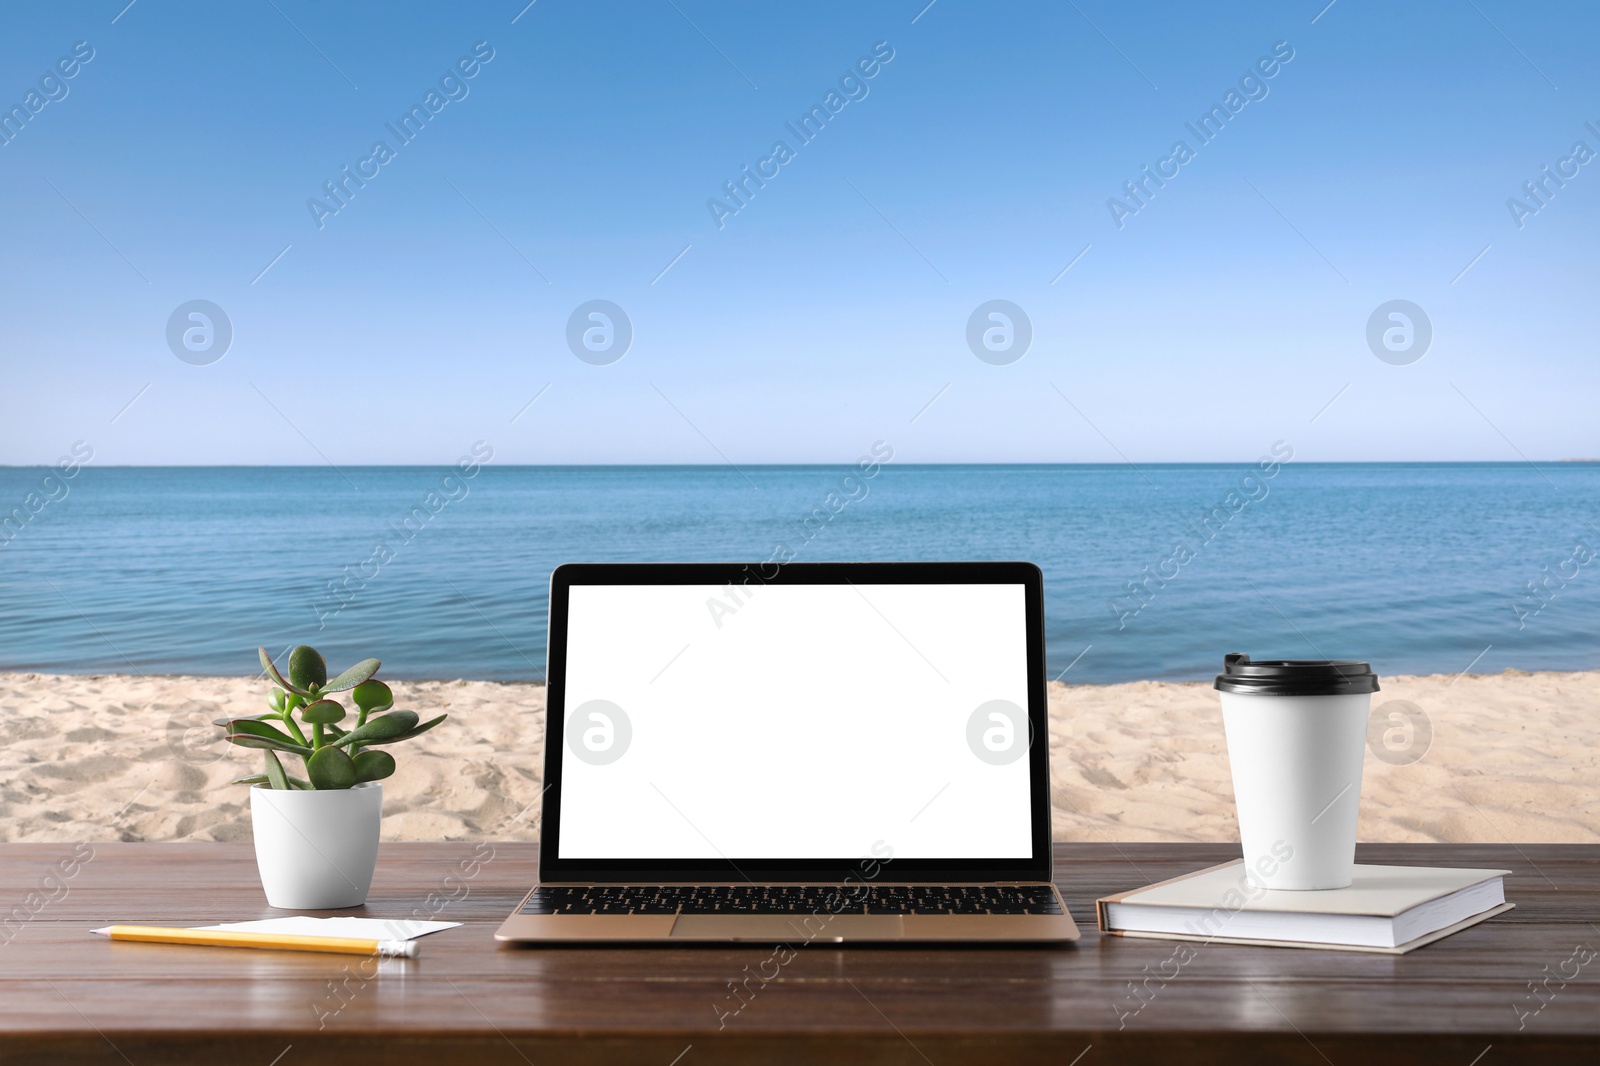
x=116 y=757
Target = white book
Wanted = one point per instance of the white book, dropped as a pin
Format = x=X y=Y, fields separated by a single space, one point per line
x=1388 y=909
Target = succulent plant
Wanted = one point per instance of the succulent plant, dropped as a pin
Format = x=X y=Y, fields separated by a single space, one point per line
x=334 y=757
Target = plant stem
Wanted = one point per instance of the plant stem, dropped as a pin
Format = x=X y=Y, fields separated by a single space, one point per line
x=316 y=736
x=294 y=728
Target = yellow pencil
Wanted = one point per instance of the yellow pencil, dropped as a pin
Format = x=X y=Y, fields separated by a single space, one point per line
x=224 y=938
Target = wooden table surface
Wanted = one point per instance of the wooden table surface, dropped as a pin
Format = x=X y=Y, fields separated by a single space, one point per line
x=1523 y=987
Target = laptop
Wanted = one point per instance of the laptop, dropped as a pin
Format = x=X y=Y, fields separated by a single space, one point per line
x=795 y=753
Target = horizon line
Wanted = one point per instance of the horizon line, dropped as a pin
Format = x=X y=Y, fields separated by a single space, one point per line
x=784 y=465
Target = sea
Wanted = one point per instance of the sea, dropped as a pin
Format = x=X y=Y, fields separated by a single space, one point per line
x=1152 y=571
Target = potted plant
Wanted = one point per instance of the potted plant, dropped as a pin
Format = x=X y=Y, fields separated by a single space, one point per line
x=316 y=836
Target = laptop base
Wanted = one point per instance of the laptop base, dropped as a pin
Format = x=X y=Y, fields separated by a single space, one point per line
x=793 y=929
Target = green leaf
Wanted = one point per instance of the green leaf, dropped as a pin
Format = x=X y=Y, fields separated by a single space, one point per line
x=271 y=670
x=322 y=712
x=373 y=765
x=268 y=717
x=380 y=729
x=372 y=696
x=276 y=700
x=331 y=768
x=275 y=775
x=308 y=670
x=352 y=677
x=261 y=779
x=255 y=728
x=247 y=740
x=415 y=731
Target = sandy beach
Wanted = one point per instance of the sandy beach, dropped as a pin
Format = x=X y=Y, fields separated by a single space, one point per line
x=114 y=757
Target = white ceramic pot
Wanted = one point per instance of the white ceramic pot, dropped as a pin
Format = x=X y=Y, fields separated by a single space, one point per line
x=316 y=849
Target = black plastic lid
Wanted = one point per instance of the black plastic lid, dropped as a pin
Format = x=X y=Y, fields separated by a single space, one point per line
x=1296 y=677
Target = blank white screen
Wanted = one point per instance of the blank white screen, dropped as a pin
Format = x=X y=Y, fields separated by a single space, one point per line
x=806 y=722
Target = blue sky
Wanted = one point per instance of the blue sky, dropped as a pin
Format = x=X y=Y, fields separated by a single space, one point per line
x=1230 y=311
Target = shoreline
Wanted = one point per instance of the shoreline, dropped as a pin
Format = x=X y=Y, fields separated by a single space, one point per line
x=98 y=757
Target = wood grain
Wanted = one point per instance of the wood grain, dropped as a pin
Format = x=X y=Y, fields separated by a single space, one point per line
x=67 y=996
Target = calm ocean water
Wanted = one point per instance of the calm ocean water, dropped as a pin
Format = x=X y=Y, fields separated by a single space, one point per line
x=1416 y=567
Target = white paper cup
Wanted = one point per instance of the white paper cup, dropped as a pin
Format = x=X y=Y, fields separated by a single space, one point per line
x=1296 y=733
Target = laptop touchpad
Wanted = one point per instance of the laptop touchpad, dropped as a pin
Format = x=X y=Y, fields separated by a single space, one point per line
x=789 y=929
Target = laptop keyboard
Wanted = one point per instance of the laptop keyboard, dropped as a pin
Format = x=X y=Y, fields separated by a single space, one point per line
x=792 y=899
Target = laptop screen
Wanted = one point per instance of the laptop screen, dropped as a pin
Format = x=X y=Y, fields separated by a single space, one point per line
x=795 y=721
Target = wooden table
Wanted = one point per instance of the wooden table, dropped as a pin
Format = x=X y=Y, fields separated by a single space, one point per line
x=69 y=997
